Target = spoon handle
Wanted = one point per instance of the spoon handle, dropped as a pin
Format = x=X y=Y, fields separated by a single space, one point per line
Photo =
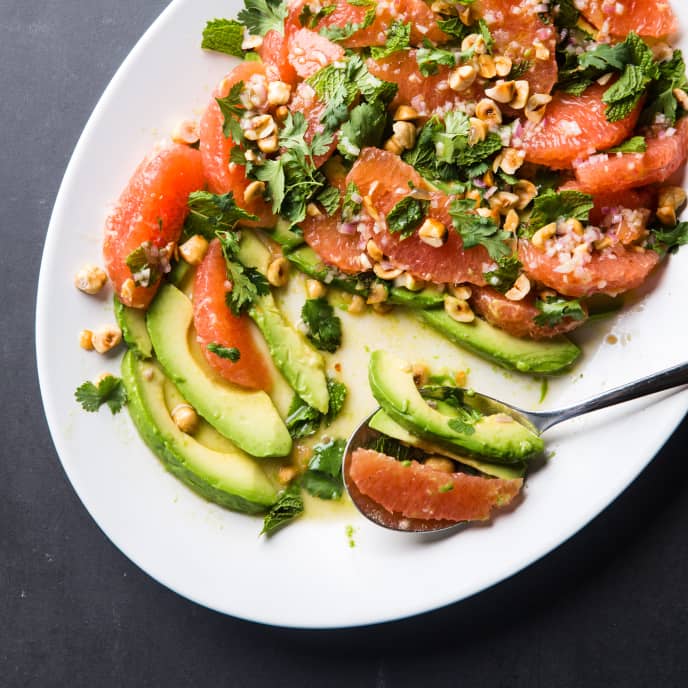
x=666 y=379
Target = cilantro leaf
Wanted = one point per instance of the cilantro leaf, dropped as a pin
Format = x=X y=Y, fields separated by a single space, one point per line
x=145 y=264
x=554 y=309
x=507 y=272
x=247 y=285
x=324 y=327
x=231 y=354
x=636 y=144
x=398 y=38
x=430 y=59
x=351 y=206
x=406 y=216
x=232 y=110
x=454 y=27
x=487 y=36
x=365 y=127
x=564 y=205
x=260 y=16
x=475 y=230
x=110 y=390
x=210 y=213
x=341 y=33
x=310 y=19
x=224 y=36
x=671 y=239
x=303 y=420
x=292 y=179
x=565 y=14
x=286 y=509
x=660 y=97
x=323 y=478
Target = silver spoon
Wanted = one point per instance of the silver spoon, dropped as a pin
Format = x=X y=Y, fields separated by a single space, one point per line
x=538 y=421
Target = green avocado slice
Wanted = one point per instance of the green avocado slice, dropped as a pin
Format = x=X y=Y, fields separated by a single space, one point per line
x=246 y=417
x=524 y=355
x=302 y=366
x=132 y=322
x=384 y=424
x=222 y=474
x=497 y=437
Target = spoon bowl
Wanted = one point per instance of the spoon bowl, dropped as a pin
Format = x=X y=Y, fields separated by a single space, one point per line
x=538 y=422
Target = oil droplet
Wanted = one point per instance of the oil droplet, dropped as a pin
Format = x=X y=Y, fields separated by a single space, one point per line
x=612 y=339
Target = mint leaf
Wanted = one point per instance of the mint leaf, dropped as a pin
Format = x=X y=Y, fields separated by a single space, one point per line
x=564 y=205
x=398 y=38
x=329 y=199
x=479 y=231
x=224 y=36
x=636 y=144
x=406 y=216
x=323 y=478
x=110 y=390
x=286 y=509
x=554 y=309
x=324 y=327
x=260 y=16
x=229 y=353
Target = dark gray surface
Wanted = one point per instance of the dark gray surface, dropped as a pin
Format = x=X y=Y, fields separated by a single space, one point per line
x=608 y=608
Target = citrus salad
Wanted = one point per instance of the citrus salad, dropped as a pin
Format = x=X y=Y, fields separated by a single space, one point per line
x=501 y=170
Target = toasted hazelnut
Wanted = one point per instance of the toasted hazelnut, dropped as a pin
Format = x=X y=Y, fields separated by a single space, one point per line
x=90 y=279
x=106 y=338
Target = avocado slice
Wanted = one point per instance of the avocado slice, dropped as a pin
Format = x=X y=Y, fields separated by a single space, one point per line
x=132 y=322
x=426 y=298
x=309 y=262
x=302 y=366
x=384 y=424
x=246 y=417
x=524 y=355
x=496 y=436
x=222 y=474
x=285 y=236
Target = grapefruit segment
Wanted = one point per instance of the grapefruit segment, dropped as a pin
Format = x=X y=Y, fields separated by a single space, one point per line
x=422 y=19
x=419 y=492
x=216 y=148
x=517 y=317
x=274 y=51
x=612 y=272
x=666 y=153
x=152 y=208
x=654 y=19
x=573 y=127
x=343 y=250
x=385 y=178
x=215 y=323
x=309 y=52
x=516 y=29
